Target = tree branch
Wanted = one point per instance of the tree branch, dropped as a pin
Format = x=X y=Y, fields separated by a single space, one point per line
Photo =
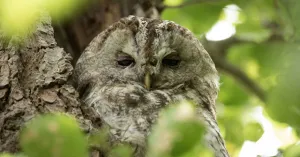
x=218 y=52
x=242 y=77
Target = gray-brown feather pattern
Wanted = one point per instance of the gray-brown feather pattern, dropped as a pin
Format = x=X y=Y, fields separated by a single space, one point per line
x=119 y=96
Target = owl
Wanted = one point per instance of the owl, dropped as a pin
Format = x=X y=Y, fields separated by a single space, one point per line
x=133 y=69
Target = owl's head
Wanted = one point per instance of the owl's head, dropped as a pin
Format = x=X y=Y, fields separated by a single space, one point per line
x=155 y=54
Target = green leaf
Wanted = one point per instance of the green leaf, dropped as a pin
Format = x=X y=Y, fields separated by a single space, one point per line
x=172 y=2
x=284 y=100
x=290 y=11
x=231 y=93
x=269 y=56
x=176 y=16
x=253 y=131
x=178 y=131
x=100 y=139
x=255 y=13
x=232 y=123
x=199 y=18
x=188 y=135
x=199 y=151
x=53 y=135
x=7 y=155
x=261 y=62
x=19 y=17
x=121 y=151
x=292 y=151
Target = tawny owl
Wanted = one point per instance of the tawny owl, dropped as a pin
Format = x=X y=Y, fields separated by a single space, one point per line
x=136 y=67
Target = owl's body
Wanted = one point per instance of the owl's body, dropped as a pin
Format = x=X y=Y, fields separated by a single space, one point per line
x=138 y=66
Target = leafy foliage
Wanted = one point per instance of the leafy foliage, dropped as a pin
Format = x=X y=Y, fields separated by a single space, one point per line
x=195 y=17
x=178 y=133
x=266 y=50
x=293 y=151
x=51 y=135
x=18 y=16
x=283 y=104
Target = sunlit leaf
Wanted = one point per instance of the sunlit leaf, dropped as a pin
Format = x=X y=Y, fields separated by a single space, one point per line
x=19 y=16
x=253 y=131
x=173 y=2
x=7 y=155
x=284 y=133
x=293 y=151
x=12 y=155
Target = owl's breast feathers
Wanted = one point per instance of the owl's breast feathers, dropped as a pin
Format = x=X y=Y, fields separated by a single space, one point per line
x=130 y=110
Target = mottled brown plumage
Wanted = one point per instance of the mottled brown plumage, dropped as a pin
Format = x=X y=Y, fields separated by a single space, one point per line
x=111 y=76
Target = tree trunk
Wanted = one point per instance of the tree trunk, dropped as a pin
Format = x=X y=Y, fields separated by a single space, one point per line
x=34 y=75
x=33 y=80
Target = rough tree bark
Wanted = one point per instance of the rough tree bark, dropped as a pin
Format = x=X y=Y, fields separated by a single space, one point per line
x=34 y=77
x=33 y=80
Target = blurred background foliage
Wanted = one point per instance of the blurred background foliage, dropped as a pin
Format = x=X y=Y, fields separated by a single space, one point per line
x=19 y=16
x=265 y=49
x=255 y=45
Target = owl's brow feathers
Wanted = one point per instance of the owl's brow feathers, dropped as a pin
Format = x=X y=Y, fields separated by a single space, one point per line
x=133 y=25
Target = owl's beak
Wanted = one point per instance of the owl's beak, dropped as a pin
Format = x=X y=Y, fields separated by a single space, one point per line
x=147 y=81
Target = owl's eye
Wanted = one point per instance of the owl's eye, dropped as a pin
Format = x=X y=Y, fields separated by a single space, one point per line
x=171 y=61
x=125 y=61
